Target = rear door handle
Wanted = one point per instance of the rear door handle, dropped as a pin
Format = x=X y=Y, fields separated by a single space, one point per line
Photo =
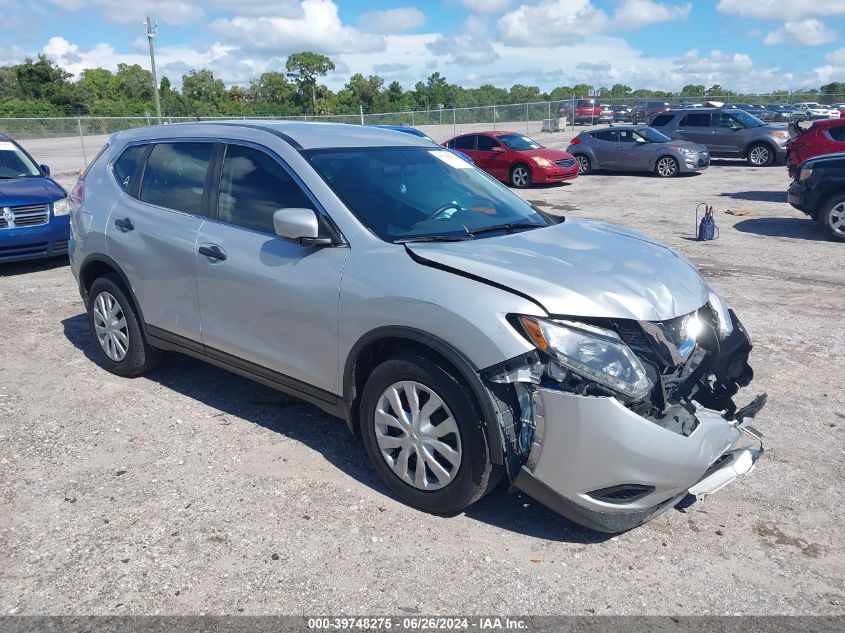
x=124 y=224
x=212 y=251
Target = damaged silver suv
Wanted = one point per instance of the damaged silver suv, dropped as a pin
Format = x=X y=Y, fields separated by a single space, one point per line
x=464 y=333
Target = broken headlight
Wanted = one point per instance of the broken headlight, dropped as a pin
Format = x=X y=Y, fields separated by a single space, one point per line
x=720 y=308
x=591 y=352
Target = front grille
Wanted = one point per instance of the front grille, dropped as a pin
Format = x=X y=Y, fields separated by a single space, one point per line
x=565 y=163
x=23 y=250
x=60 y=245
x=625 y=493
x=32 y=215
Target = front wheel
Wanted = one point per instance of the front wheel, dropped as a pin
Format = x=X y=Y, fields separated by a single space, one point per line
x=521 y=177
x=666 y=167
x=832 y=218
x=423 y=435
x=760 y=155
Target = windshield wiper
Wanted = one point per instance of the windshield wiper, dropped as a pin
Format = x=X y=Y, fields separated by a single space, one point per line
x=433 y=238
x=510 y=227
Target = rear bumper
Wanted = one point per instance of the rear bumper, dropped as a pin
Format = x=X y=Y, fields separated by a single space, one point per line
x=47 y=240
x=589 y=445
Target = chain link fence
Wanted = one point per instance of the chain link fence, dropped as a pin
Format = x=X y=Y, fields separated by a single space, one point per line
x=68 y=143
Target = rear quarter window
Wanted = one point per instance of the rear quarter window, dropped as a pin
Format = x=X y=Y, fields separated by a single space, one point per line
x=662 y=119
x=175 y=176
x=837 y=133
x=126 y=165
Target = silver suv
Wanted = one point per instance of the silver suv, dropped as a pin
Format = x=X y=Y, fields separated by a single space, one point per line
x=728 y=132
x=464 y=333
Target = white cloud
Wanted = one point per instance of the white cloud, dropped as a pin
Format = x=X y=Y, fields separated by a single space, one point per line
x=319 y=29
x=551 y=22
x=635 y=14
x=487 y=6
x=781 y=9
x=809 y=32
x=392 y=20
x=715 y=63
x=470 y=47
x=174 y=12
x=837 y=57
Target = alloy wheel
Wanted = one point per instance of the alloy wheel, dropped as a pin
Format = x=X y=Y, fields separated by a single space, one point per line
x=110 y=326
x=836 y=218
x=759 y=155
x=583 y=164
x=520 y=177
x=667 y=167
x=417 y=435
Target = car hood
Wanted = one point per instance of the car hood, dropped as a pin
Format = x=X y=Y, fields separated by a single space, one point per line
x=580 y=268
x=547 y=153
x=696 y=147
x=25 y=191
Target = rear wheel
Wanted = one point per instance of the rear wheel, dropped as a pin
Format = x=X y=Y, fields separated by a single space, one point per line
x=832 y=218
x=584 y=165
x=521 y=176
x=116 y=330
x=760 y=155
x=666 y=167
x=424 y=437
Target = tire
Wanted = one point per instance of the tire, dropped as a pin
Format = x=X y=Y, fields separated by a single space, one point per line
x=465 y=475
x=760 y=155
x=116 y=330
x=584 y=164
x=832 y=217
x=521 y=176
x=666 y=167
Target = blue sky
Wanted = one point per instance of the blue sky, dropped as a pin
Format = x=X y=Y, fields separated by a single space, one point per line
x=753 y=45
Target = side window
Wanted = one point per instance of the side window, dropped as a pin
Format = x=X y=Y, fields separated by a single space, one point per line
x=124 y=167
x=722 y=119
x=606 y=135
x=253 y=186
x=696 y=119
x=837 y=133
x=174 y=176
x=487 y=143
x=662 y=119
x=465 y=142
x=627 y=136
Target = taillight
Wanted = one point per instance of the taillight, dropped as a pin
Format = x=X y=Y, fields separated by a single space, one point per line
x=77 y=195
x=575 y=141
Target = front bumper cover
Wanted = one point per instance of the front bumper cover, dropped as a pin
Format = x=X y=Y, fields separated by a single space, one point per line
x=584 y=444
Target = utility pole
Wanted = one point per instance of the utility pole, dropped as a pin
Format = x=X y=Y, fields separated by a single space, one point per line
x=152 y=31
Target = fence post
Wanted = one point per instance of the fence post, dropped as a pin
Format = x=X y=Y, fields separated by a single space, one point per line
x=81 y=140
x=494 y=117
x=361 y=110
x=454 y=122
x=527 y=124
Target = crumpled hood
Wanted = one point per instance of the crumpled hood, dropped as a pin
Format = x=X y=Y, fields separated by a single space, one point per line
x=581 y=268
x=25 y=191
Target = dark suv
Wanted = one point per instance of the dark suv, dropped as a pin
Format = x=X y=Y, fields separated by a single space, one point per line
x=727 y=132
x=644 y=111
x=819 y=191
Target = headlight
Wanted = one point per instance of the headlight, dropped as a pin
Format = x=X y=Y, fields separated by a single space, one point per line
x=685 y=150
x=591 y=352
x=542 y=162
x=61 y=207
x=805 y=173
x=718 y=305
x=781 y=134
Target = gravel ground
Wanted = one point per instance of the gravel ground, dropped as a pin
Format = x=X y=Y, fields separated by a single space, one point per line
x=192 y=490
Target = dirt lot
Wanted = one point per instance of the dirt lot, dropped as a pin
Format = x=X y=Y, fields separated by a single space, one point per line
x=193 y=490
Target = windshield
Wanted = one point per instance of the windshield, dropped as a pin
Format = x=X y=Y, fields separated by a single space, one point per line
x=403 y=193
x=14 y=163
x=519 y=143
x=748 y=120
x=652 y=135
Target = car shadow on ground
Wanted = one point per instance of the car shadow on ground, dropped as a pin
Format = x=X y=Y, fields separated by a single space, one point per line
x=796 y=228
x=239 y=397
x=32 y=266
x=757 y=196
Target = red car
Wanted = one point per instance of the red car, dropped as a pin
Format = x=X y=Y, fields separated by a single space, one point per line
x=823 y=137
x=514 y=158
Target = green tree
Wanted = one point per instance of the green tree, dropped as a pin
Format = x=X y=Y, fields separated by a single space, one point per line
x=304 y=68
x=8 y=83
x=200 y=87
x=94 y=84
x=692 y=90
x=132 y=83
x=270 y=93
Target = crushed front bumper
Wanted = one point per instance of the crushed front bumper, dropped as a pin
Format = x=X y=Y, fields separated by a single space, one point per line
x=603 y=466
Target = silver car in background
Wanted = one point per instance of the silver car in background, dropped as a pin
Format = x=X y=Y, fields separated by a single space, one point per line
x=463 y=333
x=630 y=148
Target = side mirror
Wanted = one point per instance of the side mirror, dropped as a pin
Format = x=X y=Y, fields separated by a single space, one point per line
x=640 y=140
x=301 y=226
x=45 y=169
x=498 y=149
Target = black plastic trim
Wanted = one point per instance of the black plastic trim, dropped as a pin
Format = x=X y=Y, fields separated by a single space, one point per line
x=469 y=372
x=287 y=139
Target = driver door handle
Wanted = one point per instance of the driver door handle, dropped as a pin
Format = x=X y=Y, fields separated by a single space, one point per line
x=212 y=251
x=124 y=224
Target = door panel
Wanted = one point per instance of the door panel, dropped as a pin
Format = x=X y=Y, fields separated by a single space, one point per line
x=156 y=246
x=270 y=302
x=494 y=163
x=632 y=155
x=604 y=147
